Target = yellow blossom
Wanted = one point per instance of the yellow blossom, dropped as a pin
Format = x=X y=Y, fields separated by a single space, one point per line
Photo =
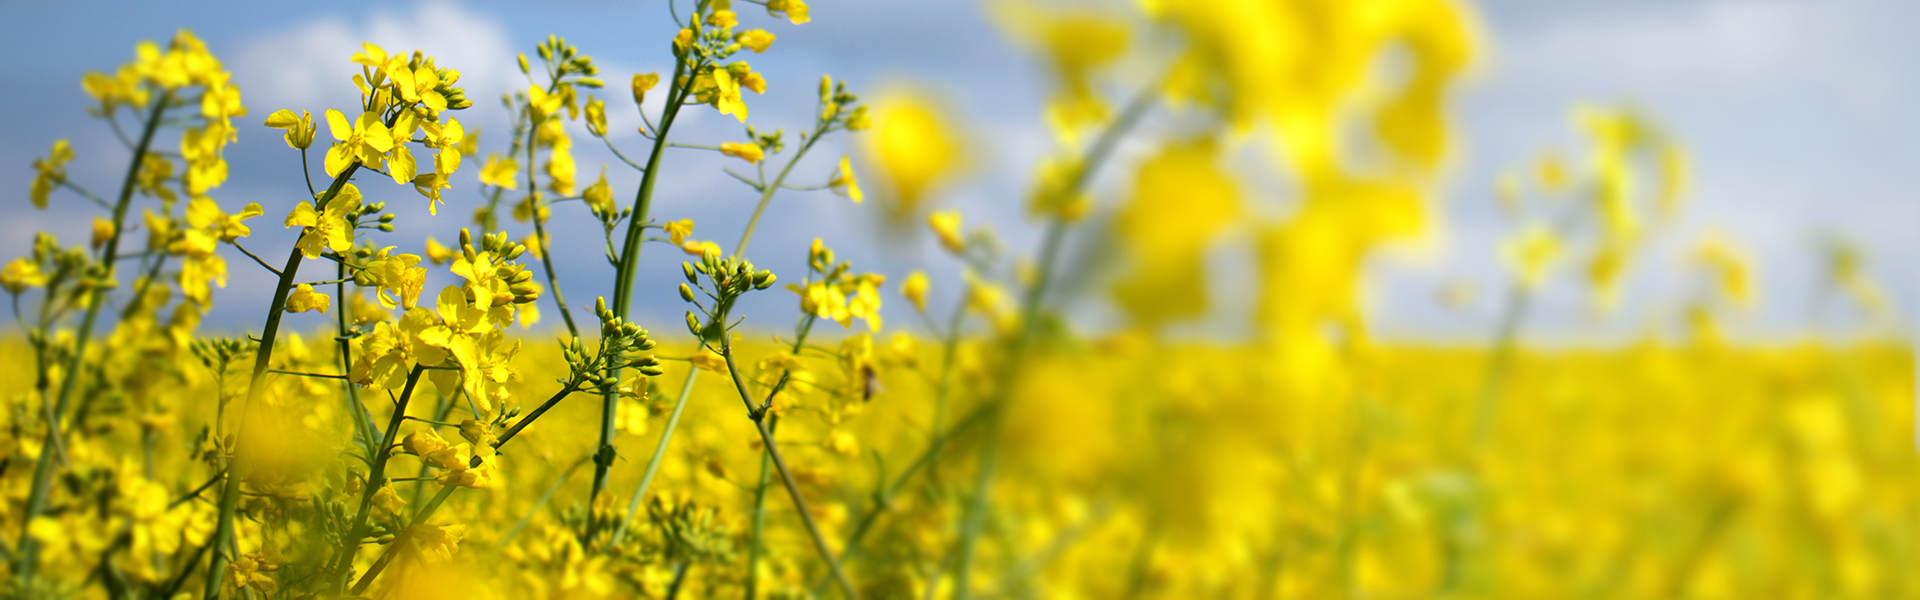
x=747 y=152
x=678 y=231
x=914 y=147
x=642 y=82
x=915 y=290
x=20 y=275
x=696 y=248
x=707 y=360
x=946 y=225
x=299 y=129
x=366 y=140
x=844 y=183
x=327 y=229
x=1530 y=253
x=303 y=299
x=794 y=11
x=500 y=172
x=757 y=39
x=50 y=171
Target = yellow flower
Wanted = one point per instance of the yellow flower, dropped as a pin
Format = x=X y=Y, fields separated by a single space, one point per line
x=706 y=360
x=22 y=274
x=757 y=39
x=596 y=117
x=845 y=183
x=946 y=225
x=678 y=231
x=366 y=140
x=1731 y=267
x=1181 y=202
x=641 y=83
x=599 y=198
x=439 y=253
x=299 y=129
x=722 y=19
x=51 y=171
x=304 y=299
x=824 y=301
x=202 y=212
x=328 y=228
x=719 y=88
x=1530 y=253
x=747 y=152
x=914 y=147
x=791 y=10
x=417 y=85
x=543 y=103
x=864 y=303
x=102 y=231
x=694 y=248
x=500 y=172
x=915 y=290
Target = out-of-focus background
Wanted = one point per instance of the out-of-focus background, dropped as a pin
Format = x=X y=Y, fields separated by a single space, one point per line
x=1796 y=116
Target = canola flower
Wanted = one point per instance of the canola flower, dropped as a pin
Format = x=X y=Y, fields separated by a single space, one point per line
x=397 y=440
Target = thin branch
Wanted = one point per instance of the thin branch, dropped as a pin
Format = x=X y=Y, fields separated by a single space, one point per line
x=256 y=259
x=305 y=374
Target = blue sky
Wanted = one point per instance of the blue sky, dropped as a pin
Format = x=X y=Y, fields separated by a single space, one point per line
x=1796 y=113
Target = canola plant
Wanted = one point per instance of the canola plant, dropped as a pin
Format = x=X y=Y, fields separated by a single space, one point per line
x=372 y=437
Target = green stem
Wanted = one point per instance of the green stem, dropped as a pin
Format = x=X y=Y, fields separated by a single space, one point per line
x=540 y=232
x=766 y=194
x=786 y=478
x=362 y=422
x=545 y=497
x=851 y=549
x=400 y=541
x=256 y=384
x=1498 y=364
x=659 y=456
x=43 y=467
x=976 y=516
x=760 y=519
x=623 y=281
x=376 y=479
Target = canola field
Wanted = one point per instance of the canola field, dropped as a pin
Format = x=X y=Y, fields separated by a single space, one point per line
x=507 y=436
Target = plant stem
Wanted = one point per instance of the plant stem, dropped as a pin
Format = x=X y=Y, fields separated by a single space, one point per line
x=623 y=280
x=376 y=479
x=786 y=478
x=766 y=195
x=540 y=233
x=766 y=463
x=399 y=541
x=256 y=384
x=659 y=456
x=1498 y=364
x=851 y=548
x=976 y=516
x=542 y=502
x=760 y=519
x=43 y=467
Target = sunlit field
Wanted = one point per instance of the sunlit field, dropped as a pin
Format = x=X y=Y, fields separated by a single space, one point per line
x=455 y=417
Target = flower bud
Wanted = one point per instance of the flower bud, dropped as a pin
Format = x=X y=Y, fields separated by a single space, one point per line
x=686 y=293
